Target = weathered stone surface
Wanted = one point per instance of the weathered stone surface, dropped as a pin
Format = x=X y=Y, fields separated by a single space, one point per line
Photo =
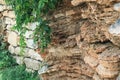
x=96 y=77
x=2 y=8
x=113 y=66
x=77 y=2
x=10 y=14
x=113 y=33
x=93 y=62
x=104 y=73
x=11 y=49
x=91 y=33
x=13 y=38
x=33 y=54
x=117 y=7
x=29 y=34
x=19 y=59
x=2 y=1
x=59 y=15
x=18 y=51
x=118 y=78
x=70 y=12
x=8 y=27
x=32 y=26
x=110 y=54
x=30 y=70
x=115 y=28
x=32 y=64
x=30 y=43
x=10 y=21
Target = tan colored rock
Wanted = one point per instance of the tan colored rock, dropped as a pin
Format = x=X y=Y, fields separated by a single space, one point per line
x=77 y=2
x=2 y=8
x=19 y=59
x=33 y=54
x=13 y=38
x=96 y=77
x=91 y=61
x=113 y=33
x=29 y=34
x=110 y=54
x=10 y=21
x=113 y=66
x=104 y=73
x=18 y=51
x=9 y=27
x=32 y=64
x=70 y=12
x=11 y=49
x=30 y=70
x=87 y=70
x=2 y=1
x=10 y=14
x=117 y=7
x=59 y=15
x=31 y=44
x=91 y=33
x=95 y=49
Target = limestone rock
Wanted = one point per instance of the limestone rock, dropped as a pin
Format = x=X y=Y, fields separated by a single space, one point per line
x=70 y=12
x=91 y=61
x=2 y=8
x=30 y=43
x=96 y=77
x=32 y=64
x=30 y=70
x=104 y=73
x=19 y=60
x=17 y=50
x=9 y=27
x=10 y=14
x=113 y=66
x=33 y=54
x=113 y=33
x=13 y=38
x=118 y=78
x=2 y=1
x=11 y=49
x=117 y=7
x=10 y=21
x=110 y=54
x=32 y=26
x=29 y=34
x=59 y=15
x=91 y=33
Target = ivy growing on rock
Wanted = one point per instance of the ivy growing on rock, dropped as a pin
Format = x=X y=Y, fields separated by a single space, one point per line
x=28 y=11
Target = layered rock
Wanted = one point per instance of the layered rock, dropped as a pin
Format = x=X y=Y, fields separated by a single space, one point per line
x=85 y=41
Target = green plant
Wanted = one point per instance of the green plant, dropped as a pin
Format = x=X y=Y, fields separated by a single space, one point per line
x=17 y=73
x=28 y=11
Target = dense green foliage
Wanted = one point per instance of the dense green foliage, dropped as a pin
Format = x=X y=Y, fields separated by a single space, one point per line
x=9 y=69
x=17 y=73
x=27 y=11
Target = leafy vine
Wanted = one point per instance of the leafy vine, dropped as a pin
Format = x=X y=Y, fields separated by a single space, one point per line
x=28 y=11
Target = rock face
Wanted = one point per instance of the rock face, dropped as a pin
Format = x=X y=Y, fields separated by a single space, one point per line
x=96 y=41
x=85 y=41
